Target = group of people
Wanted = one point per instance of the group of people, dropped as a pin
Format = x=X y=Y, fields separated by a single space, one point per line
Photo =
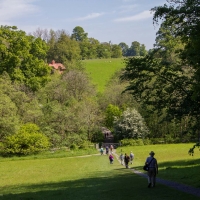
x=125 y=159
x=107 y=150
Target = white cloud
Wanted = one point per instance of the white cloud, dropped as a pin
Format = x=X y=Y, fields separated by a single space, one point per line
x=13 y=9
x=90 y=16
x=143 y=15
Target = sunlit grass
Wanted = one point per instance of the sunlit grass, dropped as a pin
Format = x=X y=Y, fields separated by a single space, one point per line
x=91 y=176
x=173 y=159
x=101 y=70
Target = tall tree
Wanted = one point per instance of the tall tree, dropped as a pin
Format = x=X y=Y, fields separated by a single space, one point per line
x=184 y=16
x=116 y=51
x=23 y=57
x=134 y=49
x=79 y=34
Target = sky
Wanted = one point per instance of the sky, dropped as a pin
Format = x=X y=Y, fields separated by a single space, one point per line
x=105 y=20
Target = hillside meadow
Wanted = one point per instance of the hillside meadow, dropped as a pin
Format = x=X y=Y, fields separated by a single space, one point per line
x=93 y=177
x=101 y=70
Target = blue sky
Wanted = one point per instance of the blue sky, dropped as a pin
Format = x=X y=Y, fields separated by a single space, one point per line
x=105 y=20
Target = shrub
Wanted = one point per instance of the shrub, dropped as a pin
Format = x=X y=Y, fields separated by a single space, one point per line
x=130 y=125
x=132 y=142
x=27 y=141
x=147 y=142
x=86 y=145
x=157 y=140
x=73 y=147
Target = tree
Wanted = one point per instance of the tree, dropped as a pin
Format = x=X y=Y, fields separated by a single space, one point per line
x=143 y=51
x=116 y=51
x=79 y=34
x=104 y=50
x=134 y=49
x=9 y=121
x=184 y=17
x=23 y=57
x=124 y=48
x=66 y=50
x=130 y=125
x=110 y=114
x=162 y=83
x=28 y=140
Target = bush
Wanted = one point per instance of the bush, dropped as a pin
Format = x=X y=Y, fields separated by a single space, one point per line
x=86 y=145
x=27 y=141
x=147 y=142
x=158 y=140
x=132 y=142
x=73 y=147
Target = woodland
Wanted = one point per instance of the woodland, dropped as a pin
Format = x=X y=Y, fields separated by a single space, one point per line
x=155 y=98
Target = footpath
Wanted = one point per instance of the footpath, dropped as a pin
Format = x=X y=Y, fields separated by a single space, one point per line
x=178 y=186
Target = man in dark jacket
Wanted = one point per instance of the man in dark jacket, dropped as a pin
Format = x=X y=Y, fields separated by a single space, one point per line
x=126 y=160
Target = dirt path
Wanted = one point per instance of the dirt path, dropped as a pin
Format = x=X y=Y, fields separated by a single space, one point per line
x=178 y=186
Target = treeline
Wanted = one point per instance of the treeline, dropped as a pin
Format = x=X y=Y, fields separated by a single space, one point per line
x=78 y=44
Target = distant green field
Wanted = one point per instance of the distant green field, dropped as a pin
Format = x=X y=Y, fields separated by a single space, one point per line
x=101 y=70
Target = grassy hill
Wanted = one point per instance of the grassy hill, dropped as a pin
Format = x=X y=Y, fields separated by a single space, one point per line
x=101 y=70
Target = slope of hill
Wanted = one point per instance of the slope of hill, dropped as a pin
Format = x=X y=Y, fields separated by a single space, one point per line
x=101 y=70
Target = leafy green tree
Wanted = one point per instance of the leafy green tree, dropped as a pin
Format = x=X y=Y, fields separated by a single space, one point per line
x=9 y=121
x=79 y=34
x=183 y=16
x=110 y=114
x=143 y=51
x=28 y=140
x=130 y=125
x=104 y=50
x=66 y=49
x=134 y=49
x=93 y=48
x=116 y=51
x=124 y=48
x=23 y=57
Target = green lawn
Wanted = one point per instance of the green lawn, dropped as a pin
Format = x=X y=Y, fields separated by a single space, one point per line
x=173 y=159
x=92 y=177
x=101 y=70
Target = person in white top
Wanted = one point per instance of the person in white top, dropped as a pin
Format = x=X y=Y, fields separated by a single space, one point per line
x=131 y=157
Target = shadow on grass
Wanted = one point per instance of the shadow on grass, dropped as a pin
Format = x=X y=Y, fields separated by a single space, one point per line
x=182 y=171
x=122 y=184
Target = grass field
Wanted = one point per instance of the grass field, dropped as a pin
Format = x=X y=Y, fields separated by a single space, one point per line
x=93 y=177
x=173 y=159
x=101 y=70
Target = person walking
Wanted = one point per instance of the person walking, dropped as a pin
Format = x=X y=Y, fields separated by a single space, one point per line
x=131 y=157
x=122 y=159
x=111 y=158
x=107 y=150
x=126 y=160
x=153 y=169
x=111 y=148
x=101 y=150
